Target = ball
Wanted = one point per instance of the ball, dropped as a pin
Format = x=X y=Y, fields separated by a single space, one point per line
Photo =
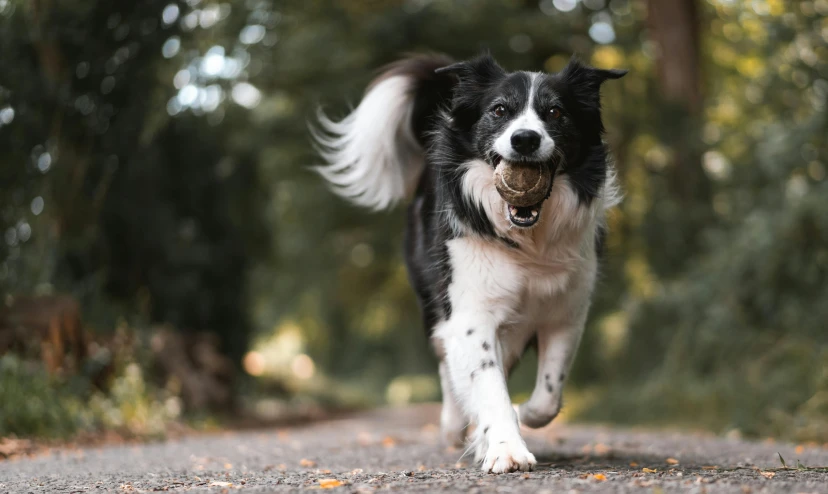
x=522 y=184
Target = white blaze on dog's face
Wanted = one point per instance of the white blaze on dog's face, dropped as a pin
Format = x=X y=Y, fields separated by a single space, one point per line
x=525 y=117
x=526 y=137
x=551 y=121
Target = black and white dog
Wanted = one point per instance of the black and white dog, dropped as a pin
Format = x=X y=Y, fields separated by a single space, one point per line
x=492 y=277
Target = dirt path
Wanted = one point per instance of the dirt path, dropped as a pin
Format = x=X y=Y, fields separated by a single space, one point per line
x=398 y=450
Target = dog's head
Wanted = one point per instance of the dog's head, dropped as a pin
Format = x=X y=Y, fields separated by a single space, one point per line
x=533 y=125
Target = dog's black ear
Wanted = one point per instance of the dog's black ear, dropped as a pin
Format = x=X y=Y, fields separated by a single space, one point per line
x=472 y=79
x=585 y=81
x=480 y=69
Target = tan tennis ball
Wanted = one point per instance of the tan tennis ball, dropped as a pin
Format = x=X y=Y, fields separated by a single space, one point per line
x=522 y=184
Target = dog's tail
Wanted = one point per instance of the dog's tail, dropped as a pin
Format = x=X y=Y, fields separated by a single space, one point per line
x=375 y=155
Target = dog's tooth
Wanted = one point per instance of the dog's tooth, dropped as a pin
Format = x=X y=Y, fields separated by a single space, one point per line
x=534 y=213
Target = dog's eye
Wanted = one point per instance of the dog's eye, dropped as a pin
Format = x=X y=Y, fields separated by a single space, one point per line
x=499 y=111
x=554 y=113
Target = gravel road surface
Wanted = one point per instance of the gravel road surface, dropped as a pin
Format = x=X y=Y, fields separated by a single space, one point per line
x=399 y=450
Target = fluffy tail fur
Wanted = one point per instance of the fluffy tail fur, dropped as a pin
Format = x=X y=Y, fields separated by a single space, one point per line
x=375 y=154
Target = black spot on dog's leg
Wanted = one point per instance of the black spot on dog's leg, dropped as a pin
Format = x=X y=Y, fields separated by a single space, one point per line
x=549 y=388
x=491 y=363
x=548 y=377
x=485 y=346
x=469 y=332
x=485 y=429
x=472 y=375
x=561 y=377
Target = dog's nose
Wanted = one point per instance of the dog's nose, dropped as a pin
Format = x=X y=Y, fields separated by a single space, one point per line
x=526 y=141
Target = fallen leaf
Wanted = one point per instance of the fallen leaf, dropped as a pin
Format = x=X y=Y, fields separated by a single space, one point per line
x=800 y=449
x=633 y=464
x=389 y=442
x=228 y=466
x=648 y=470
x=217 y=483
x=307 y=463
x=768 y=475
x=671 y=461
x=600 y=477
x=710 y=467
x=329 y=483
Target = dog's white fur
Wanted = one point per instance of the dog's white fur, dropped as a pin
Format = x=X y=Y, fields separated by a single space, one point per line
x=373 y=158
x=507 y=296
x=500 y=296
x=528 y=120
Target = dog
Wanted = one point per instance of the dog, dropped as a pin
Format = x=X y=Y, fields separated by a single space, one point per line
x=492 y=278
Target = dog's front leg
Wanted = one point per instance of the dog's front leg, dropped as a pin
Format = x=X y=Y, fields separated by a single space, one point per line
x=482 y=293
x=558 y=339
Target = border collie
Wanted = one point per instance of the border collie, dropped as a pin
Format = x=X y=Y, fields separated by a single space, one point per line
x=492 y=277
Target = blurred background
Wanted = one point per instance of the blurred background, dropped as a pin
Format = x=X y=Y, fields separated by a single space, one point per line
x=166 y=256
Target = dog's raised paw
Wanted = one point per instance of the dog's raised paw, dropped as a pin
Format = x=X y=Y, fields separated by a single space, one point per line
x=508 y=456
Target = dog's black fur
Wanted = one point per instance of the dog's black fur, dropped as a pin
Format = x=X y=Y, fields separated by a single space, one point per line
x=453 y=120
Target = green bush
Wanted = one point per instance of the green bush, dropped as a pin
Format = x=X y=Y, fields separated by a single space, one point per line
x=35 y=404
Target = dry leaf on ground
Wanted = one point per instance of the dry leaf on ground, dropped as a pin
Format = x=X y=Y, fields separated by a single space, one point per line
x=329 y=483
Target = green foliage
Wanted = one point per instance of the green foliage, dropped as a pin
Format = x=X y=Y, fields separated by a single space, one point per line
x=735 y=338
x=170 y=183
x=35 y=404
x=31 y=404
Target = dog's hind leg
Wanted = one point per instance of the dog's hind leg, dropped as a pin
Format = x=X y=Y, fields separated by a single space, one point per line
x=453 y=421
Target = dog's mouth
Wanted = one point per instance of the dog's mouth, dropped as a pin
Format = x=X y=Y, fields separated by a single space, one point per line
x=524 y=217
x=523 y=186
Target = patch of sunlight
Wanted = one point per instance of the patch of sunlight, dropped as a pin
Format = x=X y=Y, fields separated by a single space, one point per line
x=302 y=367
x=614 y=329
x=755 y=29
x=555 y=63
x=751 y=67
x=643 y=282
x=276 y=355
x=637 y=199
x=726 y=112
x=379 y=318
x=608 y=57
x=412 y=388
x=724 y=55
